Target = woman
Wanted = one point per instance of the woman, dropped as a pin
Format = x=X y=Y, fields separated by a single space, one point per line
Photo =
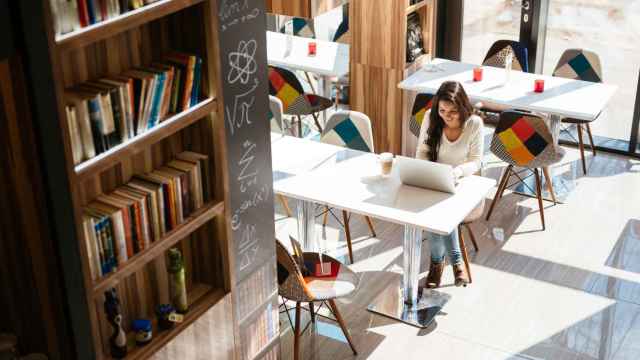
x=451 y=134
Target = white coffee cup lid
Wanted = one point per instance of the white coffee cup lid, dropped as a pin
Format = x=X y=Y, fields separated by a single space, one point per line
x=386 y=156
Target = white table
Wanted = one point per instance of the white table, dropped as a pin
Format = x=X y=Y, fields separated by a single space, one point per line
x=561 y=98
x=331 y=59
x=317 y=173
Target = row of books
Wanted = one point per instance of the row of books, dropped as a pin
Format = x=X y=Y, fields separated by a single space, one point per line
x=70 y=15
x=259 y=333
x=106 y=112
x=128 y=220
x=256 y=289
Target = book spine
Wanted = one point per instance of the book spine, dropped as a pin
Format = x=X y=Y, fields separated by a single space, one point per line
x=196 y=81
x=154 y=116
x=188 y=85
x=95 y=117
x=186 y=198
x=99 y=224
x=119 y=237
x=133 y=228
x=126 y=224
x=175 y=93
x=139 y=225
x=118 y=136
x=83 y=15
x=91 y=10
x=110 y=242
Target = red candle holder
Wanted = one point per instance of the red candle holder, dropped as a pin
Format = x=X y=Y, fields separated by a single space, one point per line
x=312 y=48
x=538 y=86
x=477 y=74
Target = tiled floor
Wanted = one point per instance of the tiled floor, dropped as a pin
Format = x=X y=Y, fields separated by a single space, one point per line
x=570 y=292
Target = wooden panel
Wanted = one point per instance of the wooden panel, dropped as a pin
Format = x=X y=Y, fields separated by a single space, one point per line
x=378 y=30
x=379 y=97
x=297 y=8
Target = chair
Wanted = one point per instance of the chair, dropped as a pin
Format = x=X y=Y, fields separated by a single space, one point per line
x=284 y=85
x=301 y=27
x=421 y=105
x=580 y=64
x=350 y=129
x=523 y=139
x=294 y=286
x=498 y=53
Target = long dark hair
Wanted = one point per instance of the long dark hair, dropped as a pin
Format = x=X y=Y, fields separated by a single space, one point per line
x=453 y=92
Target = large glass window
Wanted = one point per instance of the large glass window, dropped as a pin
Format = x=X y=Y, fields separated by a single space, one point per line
x=485 y=22
x=611 y=29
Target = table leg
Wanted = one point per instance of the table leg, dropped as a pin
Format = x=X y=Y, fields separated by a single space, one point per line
x=326 y=92
x=402 y=303
x=307 y=225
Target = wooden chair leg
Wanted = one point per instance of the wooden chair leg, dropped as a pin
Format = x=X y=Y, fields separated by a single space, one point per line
x=506 y=181
x=313 y=89
x=296 y=334
x=340 y=320
x=501 y=187
x=317 y=122
x=370 y=223
x=581 y=146
x=285 y=205
x=312 y=312
x=347 y=234
x=463 y=250
x=325 y=217
x=545 y=170
x=472 y=236
x=593 y=146
x=539 y=194
x=299 y=126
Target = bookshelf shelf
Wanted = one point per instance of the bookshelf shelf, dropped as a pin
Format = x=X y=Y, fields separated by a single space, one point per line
x=192 y=223
x=164 y=129
x=417 y=6
x=203 y=297
x=126 y=21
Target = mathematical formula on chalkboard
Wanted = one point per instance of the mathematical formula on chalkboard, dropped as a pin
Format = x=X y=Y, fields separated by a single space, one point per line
x=242 y=26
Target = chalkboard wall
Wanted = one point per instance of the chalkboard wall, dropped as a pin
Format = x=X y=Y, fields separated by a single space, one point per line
x=243 y=57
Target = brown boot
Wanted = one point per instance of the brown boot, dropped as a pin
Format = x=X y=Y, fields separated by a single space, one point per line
x=435 y=275
x=460 y=274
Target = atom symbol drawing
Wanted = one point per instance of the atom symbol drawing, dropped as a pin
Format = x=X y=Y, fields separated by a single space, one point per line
x=242 y=62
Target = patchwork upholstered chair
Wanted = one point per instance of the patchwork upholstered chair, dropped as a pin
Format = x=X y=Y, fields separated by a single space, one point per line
x=350 y=129
x=580 y=64
x=523 y=140
x=301 y=27
x=284 y=85
x=500 y=49
x=421 y=106
x=301 y=280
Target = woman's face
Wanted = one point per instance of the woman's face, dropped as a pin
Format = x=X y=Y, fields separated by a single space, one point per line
x=448 y=111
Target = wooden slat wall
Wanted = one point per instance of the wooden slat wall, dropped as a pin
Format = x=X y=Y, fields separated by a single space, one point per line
x=32 y=295
x=302 y=8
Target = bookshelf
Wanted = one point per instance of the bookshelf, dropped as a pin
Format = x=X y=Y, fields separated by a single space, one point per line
x=376 y=70
x=138 y=39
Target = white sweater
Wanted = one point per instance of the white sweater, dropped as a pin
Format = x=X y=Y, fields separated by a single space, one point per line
x=464 y=154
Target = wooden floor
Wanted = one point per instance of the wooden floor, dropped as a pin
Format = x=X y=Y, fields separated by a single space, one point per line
x=570 y=292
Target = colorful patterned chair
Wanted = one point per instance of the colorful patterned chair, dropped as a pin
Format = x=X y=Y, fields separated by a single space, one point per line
x=350 y=129
x=284 y=85
x=523 y=140
x=421 y=106
x=498 y=52
x=298 y=281
x=580 y=64
x=301 y=27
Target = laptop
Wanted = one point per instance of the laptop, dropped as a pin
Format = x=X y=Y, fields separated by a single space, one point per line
x=426 y=174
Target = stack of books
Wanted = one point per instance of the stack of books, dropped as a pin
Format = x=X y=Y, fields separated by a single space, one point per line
x=109 y=111
x=70 y=15
x=128 y=220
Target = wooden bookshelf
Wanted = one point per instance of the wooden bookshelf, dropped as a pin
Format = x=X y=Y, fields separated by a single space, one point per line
x=108 y=28
x=376 y=70
x=166 y=128
x=302 y=8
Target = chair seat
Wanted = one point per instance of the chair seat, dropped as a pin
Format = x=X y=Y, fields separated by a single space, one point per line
x=575 y=121
x=308 y=104
x=549 y=158
x=342 y=282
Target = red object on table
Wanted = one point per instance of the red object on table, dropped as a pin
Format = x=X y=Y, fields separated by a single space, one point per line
x=312 y=48
x=538 y=86
x=477 y=74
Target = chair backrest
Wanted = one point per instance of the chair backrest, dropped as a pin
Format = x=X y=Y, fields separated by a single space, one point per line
x=301 y=27
x=284 y=85
x=291 y=284
x=421 y=106
x=498 y=52
x=579 y=64
x=522 y=139
x=350 y=129
x=275 y=114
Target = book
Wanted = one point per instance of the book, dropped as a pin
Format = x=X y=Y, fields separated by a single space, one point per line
x=203 y=161
x=88 y=226
x=128 y=217
x=117 y=229
x=195 y=182
x=74 y=135
x=155 y=192
x=195 y=93
x=186 y=63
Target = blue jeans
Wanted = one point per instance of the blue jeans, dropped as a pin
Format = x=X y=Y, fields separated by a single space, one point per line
x=445 y=243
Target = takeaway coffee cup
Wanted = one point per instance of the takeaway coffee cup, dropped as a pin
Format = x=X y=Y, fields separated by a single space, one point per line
x=386 y=162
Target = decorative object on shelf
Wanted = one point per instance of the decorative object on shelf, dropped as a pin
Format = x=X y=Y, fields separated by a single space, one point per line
x=118 y=340
x=177 y=282
x=143 y=330
x=8 y=344
x=164 y=312
x=415 y=45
